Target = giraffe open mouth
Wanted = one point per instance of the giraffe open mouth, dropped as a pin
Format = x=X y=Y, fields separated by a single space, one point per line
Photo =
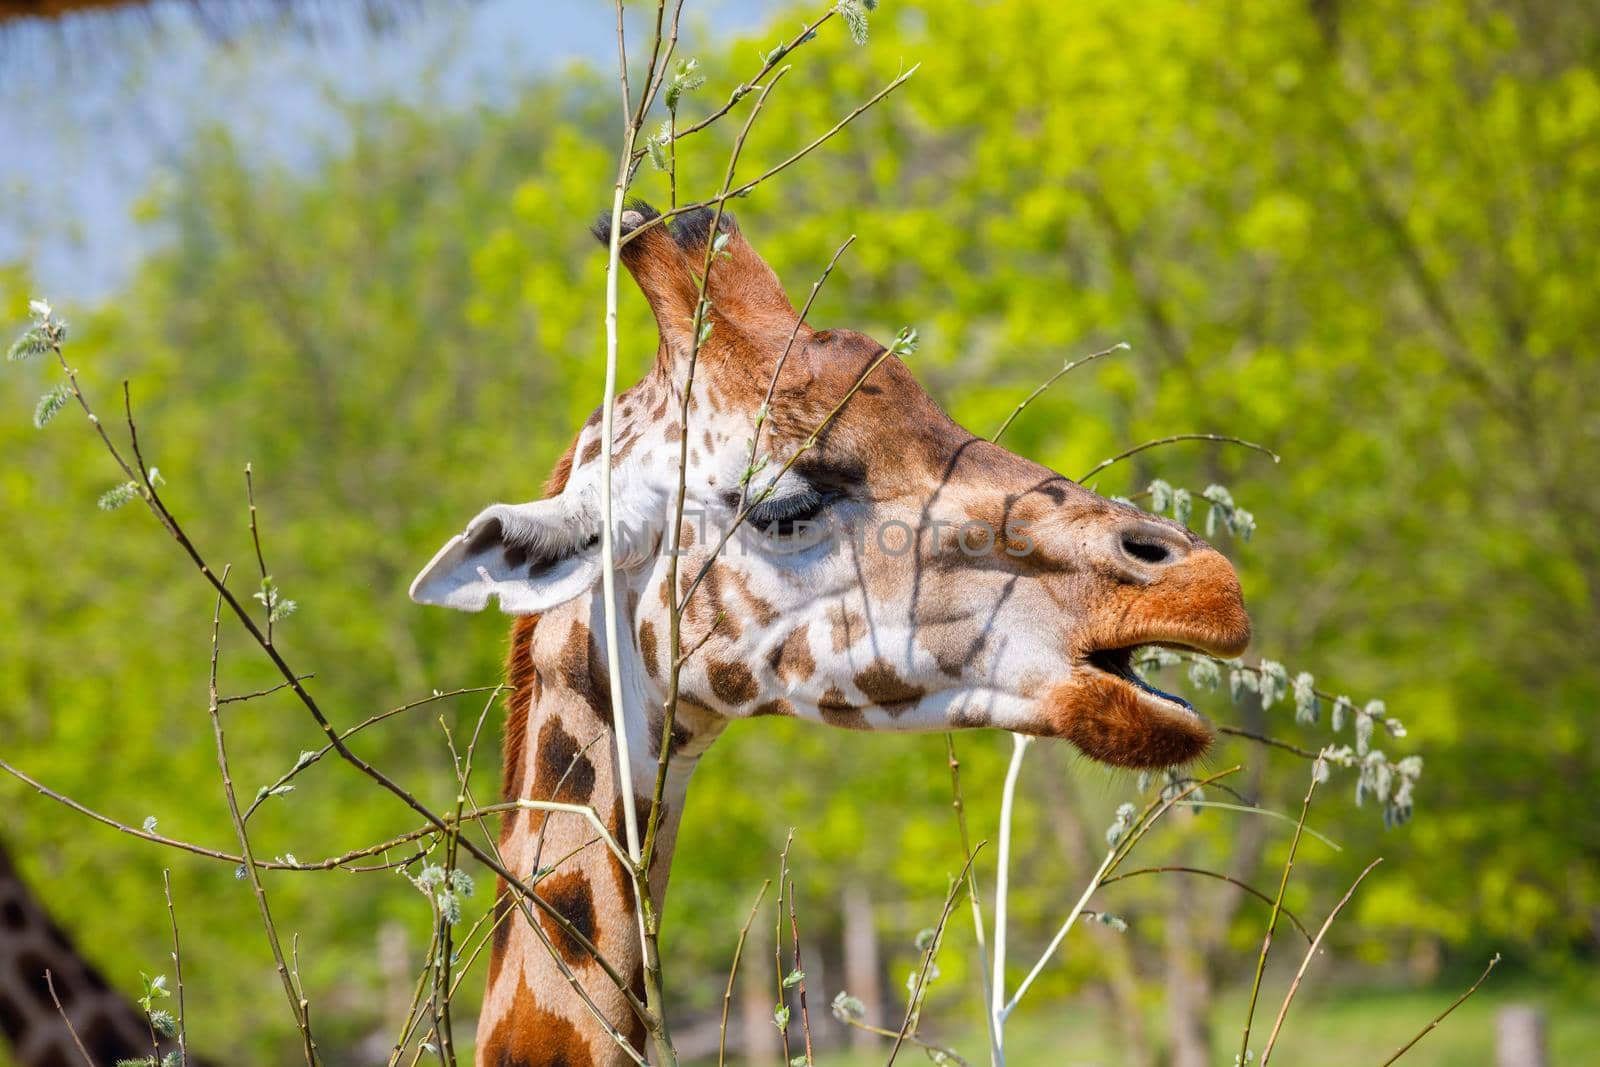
x=1114 y=716
x=1118 y=662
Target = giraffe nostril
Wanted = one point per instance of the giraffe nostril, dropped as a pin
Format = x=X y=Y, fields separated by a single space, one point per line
x=1147 y=551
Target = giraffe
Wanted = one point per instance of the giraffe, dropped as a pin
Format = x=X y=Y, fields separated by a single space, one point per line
x=110 y=1027
x=902 y=574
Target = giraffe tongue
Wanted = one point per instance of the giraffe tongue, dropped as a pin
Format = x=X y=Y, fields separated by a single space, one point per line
x=1119 y=661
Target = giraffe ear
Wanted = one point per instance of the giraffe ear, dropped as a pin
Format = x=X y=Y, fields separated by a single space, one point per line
x=532 y=557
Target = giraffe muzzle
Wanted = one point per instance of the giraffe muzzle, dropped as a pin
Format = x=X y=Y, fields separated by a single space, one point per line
x=1192 y=603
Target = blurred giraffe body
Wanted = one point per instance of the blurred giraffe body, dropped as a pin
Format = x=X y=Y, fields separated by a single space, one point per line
x=902 y=574
x=31 y=943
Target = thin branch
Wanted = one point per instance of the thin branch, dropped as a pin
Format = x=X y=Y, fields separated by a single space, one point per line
x=1269 y=813
x=257 y=694
x=800 y=986
x=783 y=357
x=777 y=937
x=296 y=1002
x=1003 y=1012
x=1437 y=1019
x=255 y=536
x=793 y=159
x=948 y=1053
x=1220 y=438
x=744 y=89
x=1066 y=368
x=177 y=967
x=50 y=983
x=1277 y=907
x=1263 y=739
x=991 y=1028
x=1156 y=808
x=1311 y=951
x=1248 y=888
x=316 y=755
x=919 y=988
x=733 y=971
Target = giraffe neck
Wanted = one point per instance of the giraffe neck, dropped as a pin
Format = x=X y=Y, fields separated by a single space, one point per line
x=31 y=943
x=560 y=745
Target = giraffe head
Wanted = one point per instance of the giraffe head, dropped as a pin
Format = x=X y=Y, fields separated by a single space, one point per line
x=900 y=574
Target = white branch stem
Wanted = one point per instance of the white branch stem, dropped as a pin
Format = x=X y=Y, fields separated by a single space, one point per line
x=1055 y=942
x=578 y=809
x=608 y=560
x=1002 y=886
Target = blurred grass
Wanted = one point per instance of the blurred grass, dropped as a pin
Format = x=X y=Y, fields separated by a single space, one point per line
x=1341 y=1028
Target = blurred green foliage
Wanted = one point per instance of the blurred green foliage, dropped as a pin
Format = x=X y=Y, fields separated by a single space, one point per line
x=1360 y=234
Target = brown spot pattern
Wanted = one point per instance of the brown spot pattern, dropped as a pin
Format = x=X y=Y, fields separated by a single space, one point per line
x=791 y=659
x=569 y=894
x=837 y=710
x=584 y=672
x=563 y=771
x=880 y=684
x=847 y=628
x=500 y=937
x=779 y=706
x=647 y=648
x=529 y=1035
x=731 y=682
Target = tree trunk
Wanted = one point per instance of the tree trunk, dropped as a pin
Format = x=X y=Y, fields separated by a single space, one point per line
x=1188 y=986
x=863 y=965
x=757 y=997
x=1519 y=1037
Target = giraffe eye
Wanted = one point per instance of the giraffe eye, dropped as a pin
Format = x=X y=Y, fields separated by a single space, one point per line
x=787 y=515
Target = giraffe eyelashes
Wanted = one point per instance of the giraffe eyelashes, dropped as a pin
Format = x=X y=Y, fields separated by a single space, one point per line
x=787 y=515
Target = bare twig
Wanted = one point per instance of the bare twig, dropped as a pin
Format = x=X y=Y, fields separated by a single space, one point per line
x=1311 y=951
x=948 y=1053
x=743 y=89
x=1066 y=368
x=1263 y=739
x=789 y=162
x=1437 y=1019
x=177 y=966
x=1002 y=1011
x=919 y=988
x=50 y=983
x=783 y=357
x=777 y=939
x=255 y=537
x=1219 y=876
x=733 y=971
x=316 y=755
x=1277 y=907
x=296 y=1002
x=1173 y=439
x=991 y=1026
x=241 y=698
x=800 y=984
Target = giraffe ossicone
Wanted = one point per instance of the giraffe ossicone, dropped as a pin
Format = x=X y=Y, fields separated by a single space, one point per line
x=901 y=574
